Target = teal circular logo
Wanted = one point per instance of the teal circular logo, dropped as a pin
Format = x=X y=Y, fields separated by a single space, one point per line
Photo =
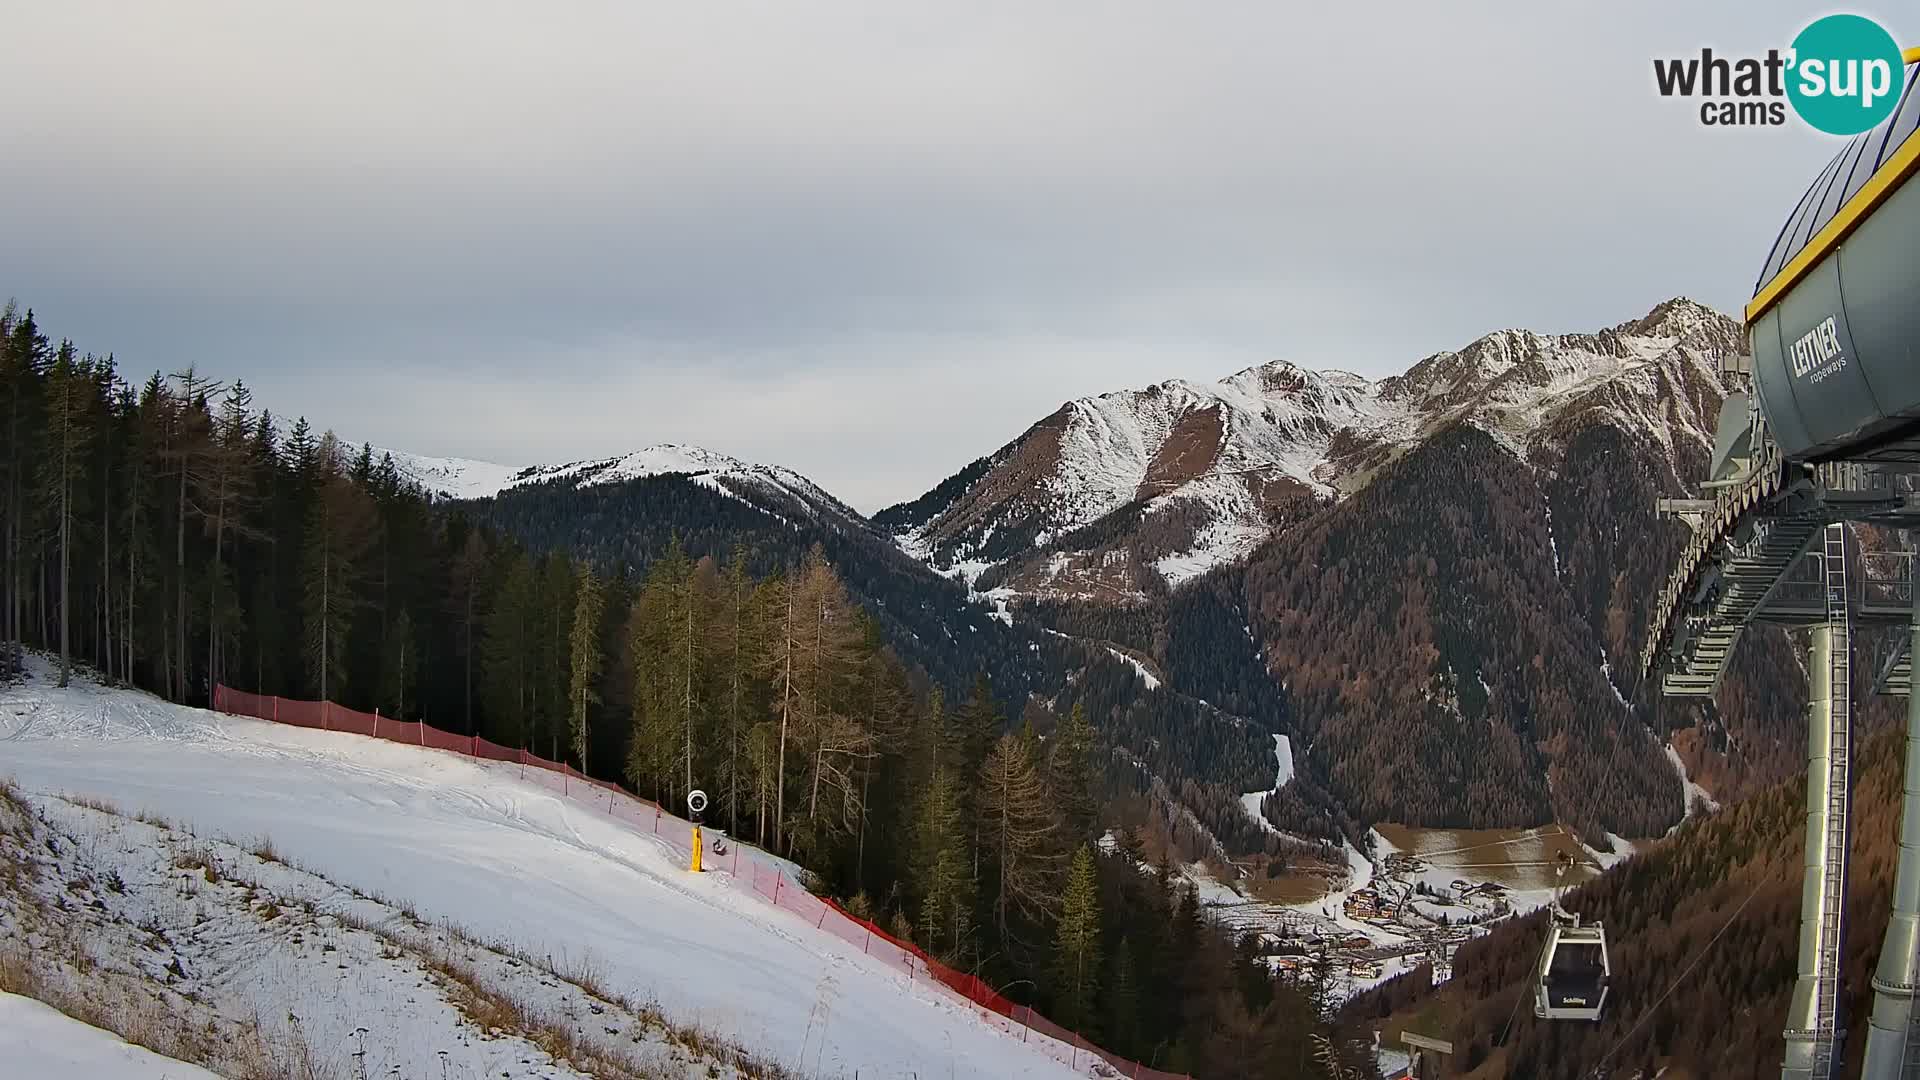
x=1845 y=75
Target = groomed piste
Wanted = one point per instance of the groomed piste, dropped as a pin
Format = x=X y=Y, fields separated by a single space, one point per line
x=537 y=858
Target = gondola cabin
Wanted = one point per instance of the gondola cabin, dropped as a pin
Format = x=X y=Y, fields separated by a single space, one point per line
x=1573 y=974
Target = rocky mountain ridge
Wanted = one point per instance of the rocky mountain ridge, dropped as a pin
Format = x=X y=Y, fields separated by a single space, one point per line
x=1123 y=494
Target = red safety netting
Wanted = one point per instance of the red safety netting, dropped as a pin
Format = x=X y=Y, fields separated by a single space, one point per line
x=761 y=872
x=441 y=740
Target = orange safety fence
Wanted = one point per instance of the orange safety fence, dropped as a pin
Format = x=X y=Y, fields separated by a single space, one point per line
x=759 y=870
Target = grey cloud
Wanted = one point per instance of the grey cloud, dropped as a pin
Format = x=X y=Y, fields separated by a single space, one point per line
x=798 y=232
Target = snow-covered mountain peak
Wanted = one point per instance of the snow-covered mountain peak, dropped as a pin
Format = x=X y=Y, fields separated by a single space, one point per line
x=1206 y=467
x=1346 y=380
x=466 y=478
x=659 y=460
x=1283 y=378
x=1677 y=318
x=452 y=477
x=1514 y=377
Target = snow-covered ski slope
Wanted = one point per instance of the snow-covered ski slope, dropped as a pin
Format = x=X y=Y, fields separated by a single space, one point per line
x=470 y=842
x=42 y=1042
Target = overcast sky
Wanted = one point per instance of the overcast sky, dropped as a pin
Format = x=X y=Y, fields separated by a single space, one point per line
x=869 y=241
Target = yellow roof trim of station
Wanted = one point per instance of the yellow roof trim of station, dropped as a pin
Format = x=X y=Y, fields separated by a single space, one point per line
x=1884 y=183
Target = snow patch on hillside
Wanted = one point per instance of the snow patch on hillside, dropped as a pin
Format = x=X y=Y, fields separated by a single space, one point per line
x=1623 y=850
x=1606 y=670
x=1146 y=676
x=1693 y=793
x=1283 y=754
x=1220 y=544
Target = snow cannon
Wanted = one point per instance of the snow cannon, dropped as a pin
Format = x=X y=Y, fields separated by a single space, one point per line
x=696 y=806
x=1834 y=323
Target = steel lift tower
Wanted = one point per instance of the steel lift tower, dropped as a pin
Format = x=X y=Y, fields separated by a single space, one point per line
x=1820 y=437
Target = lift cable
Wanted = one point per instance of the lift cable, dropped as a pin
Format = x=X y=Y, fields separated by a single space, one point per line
x=1554 y=914
x=1527 y=988
x=1537 y=833
x=1678 y=979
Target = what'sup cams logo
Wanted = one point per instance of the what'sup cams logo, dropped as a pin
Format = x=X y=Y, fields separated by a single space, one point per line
x=1842 y=75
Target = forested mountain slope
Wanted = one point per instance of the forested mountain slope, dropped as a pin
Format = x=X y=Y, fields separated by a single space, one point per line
x=1451 y=634
x=626 y=513
x=629 y=523
x=1429 y=600
x=1438 y=671
x=1433 y=608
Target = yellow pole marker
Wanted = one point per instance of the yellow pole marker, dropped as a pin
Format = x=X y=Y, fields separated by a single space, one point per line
x=696 y=850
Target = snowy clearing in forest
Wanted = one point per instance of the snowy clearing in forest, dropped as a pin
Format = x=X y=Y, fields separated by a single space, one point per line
x=1283 y=753
x=1692 y=794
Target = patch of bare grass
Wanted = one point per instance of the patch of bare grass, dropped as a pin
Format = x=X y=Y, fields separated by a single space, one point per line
x=199 y=858
x=50 y=958
x=264 y=850
x=94 y=803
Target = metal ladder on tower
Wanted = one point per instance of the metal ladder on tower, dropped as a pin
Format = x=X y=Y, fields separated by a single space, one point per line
x=1826 y=1051
x=1910 y=1059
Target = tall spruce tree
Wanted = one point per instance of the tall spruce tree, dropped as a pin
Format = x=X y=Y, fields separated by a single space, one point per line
x=340 y=531
x=464 y=598
x=1123 y=1001
x=886 y=719
x=946 y=882
x=1076 y=957
x=106 y=393
x=24 y=355
x=188 y=445
x=585 y=670
x=399 y=666
x=70 y=433
x=512 y=640
x=224 y=496
x=663 y=660
x=1070 y=774
x=140 y=614
x=556 y=589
